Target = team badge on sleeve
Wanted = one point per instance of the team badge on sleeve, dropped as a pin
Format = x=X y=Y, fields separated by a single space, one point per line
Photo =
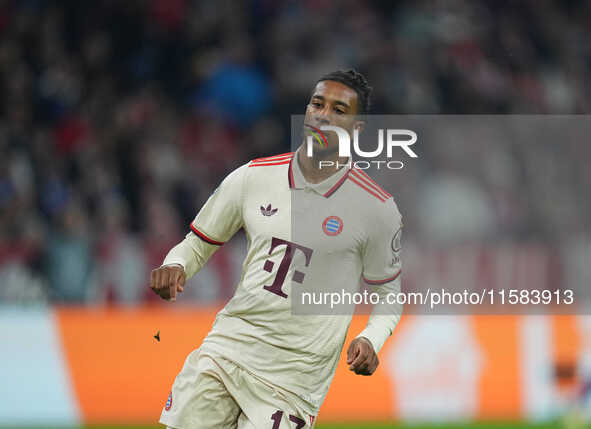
x=332 y=225
x=396 y=243
x=168 y=402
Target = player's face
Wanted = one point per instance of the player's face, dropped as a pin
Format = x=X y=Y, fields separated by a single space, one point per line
x=331 y=103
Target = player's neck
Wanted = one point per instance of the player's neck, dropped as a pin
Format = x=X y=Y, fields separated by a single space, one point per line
x=312 y=170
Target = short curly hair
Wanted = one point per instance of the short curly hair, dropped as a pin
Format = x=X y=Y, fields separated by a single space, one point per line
x=357 y=82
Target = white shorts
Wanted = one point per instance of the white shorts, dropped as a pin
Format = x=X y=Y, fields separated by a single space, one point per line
x=211 y=392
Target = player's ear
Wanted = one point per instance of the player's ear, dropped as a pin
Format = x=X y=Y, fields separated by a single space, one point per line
x=359 y=125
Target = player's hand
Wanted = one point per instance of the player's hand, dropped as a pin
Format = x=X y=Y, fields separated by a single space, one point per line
x=167 y=280
x=361 y=357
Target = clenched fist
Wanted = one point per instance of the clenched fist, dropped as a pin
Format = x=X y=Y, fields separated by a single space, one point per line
x=167 y=280
x=361 y=357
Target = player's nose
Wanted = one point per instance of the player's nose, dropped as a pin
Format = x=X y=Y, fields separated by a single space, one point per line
x=321 y=119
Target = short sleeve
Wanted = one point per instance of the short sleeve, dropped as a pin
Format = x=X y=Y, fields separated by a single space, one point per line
x=221 y=215
x=381 y=253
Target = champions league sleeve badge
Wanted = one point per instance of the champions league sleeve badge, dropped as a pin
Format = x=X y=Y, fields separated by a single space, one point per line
x=396 y=243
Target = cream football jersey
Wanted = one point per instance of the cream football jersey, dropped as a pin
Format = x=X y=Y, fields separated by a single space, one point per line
x=323 y=237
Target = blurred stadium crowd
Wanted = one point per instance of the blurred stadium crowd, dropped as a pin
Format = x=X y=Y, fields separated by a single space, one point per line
x=119 y=118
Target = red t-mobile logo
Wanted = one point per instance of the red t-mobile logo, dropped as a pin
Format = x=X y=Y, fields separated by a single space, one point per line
x=298 y=276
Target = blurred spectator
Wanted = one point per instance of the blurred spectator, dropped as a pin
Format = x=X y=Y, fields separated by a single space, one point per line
x=70 y=263
x=123 y=271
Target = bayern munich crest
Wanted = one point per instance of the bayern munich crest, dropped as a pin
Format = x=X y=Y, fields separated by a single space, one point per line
x=332 y=225
x=168 y=402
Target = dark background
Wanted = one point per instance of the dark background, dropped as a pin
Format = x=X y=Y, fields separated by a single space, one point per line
x=118 y=119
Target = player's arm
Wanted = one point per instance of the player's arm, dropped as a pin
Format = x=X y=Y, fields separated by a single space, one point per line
x=381 y=271
x=217 y=221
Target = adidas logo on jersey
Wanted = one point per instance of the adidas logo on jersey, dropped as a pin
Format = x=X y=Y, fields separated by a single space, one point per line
x=268 y=211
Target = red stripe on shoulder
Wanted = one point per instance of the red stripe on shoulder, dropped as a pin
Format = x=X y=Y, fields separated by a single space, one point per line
x=275 y=157
x=205 y=237
x=283 y=158
x=264 y=164
x=373 y=182
x=366 y=188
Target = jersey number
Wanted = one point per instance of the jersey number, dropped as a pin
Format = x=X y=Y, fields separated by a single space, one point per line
x=290 y=250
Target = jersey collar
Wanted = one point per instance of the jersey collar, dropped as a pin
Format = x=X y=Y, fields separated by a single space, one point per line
x=325 y=188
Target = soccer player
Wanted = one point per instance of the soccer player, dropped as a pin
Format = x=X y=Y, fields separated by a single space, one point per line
x=261 y=365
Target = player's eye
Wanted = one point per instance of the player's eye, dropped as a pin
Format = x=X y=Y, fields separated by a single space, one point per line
x=317 y=105
x=339 y=111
